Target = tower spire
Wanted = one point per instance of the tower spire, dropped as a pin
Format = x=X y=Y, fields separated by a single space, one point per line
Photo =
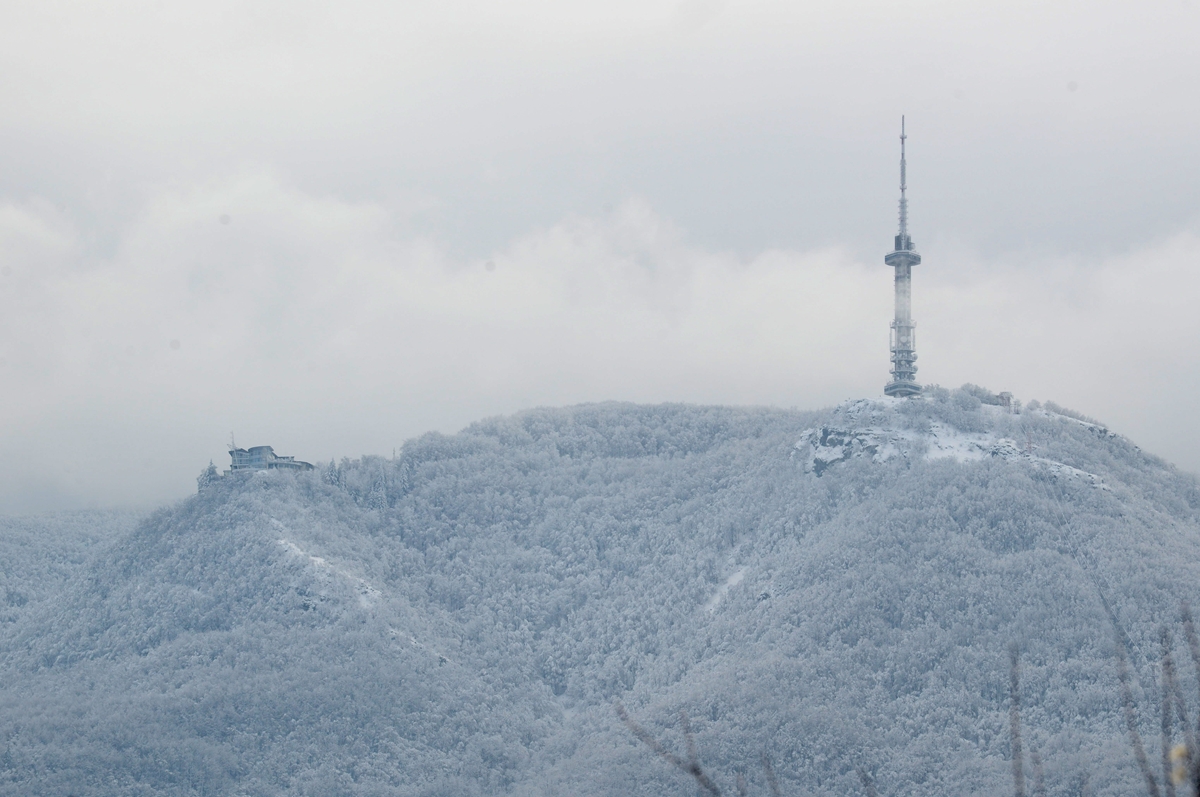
x=903 y=258
x=903 y=183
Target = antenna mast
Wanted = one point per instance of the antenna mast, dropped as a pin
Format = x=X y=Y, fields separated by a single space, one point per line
x=903 y=258
x=903 y=183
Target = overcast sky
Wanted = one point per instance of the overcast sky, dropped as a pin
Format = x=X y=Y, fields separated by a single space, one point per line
x=331 y=227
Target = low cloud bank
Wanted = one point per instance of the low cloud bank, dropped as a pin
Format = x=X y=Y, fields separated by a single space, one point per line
x=315 y=325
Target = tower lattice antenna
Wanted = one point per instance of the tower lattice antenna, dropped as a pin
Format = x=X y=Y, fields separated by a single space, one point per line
x=903 y=183
x=903 y=258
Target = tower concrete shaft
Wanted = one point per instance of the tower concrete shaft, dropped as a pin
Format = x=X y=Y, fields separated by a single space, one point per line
x=904 y=334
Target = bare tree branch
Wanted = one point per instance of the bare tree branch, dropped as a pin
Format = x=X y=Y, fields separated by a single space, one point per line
x=1164 y=639
x=649 y=740
x=1189 y=629
x=1039 y=774
x=772 y=781
x=689 y=740
x=1135 y=739
x=1171 y=677
x=691 y=766
x=868 y=785
x=1014 y=718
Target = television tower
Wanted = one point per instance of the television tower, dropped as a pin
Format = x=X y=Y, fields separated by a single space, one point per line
x=904 y=339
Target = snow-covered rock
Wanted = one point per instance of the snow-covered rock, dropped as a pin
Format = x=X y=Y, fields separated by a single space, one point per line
x=887 y=428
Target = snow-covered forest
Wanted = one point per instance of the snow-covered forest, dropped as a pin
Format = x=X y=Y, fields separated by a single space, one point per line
x=837 y=590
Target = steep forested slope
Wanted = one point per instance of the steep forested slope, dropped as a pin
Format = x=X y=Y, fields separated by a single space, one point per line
x=836 y=589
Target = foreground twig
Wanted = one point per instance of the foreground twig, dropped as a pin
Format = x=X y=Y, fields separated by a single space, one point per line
x=1171 y=683
x=868 y=784
x=1014 y=718
x=1121 y=640
x=691 y=766
x=769 y=771
x=1039 y=774
x=1135 y=738
x=1164 y=639
x=1189 y=630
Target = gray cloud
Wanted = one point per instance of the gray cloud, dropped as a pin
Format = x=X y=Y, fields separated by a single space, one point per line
x=276 y=219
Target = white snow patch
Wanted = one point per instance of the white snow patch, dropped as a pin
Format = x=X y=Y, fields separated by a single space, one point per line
x=944 y=442
x=1094 y=428
x=396 y=634
x=368 y=595
x=873 y=429
x=723 y=590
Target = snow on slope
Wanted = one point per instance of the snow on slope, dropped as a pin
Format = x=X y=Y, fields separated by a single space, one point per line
x=533 y=570
x=368 y=595
x=880 y=430
x=723 y=590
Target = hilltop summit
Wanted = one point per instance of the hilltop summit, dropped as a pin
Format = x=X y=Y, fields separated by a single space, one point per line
x=959 y=426
x=837 y=589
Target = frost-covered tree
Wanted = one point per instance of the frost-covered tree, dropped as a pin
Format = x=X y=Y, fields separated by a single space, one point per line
x=207 y=477
x=461 y=619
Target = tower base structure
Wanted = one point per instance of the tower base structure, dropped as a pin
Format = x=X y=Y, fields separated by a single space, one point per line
x=902 y=389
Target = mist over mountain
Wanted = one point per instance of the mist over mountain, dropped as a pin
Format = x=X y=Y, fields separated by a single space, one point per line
x=835 y=589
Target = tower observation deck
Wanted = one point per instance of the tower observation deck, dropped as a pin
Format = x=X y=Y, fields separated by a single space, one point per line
x=904 y=337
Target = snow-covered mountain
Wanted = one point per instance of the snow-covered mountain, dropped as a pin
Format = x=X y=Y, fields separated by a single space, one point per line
x=837 y=590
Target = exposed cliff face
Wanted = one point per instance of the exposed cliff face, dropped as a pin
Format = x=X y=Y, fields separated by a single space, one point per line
x=838 y=589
